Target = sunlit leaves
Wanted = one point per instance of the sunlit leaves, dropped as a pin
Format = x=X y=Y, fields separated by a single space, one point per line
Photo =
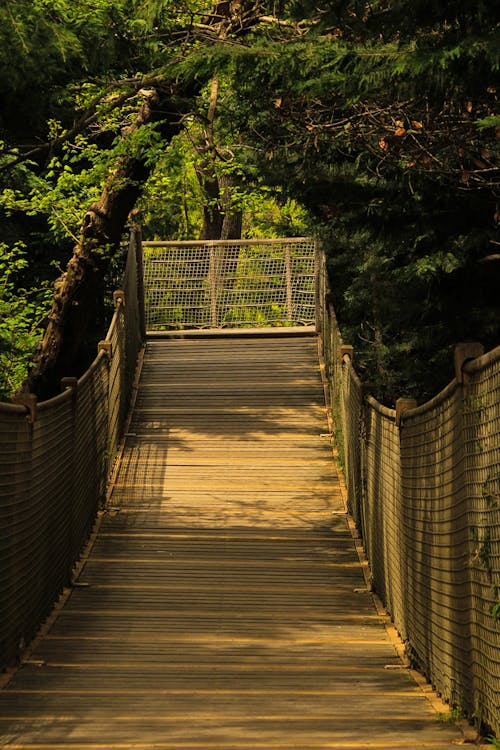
x=22 y=314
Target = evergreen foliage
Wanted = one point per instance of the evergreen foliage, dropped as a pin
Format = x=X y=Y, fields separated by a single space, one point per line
x=379 y=120
x=382 y=121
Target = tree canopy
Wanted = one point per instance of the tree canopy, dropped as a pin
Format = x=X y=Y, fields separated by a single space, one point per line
x=374 y=125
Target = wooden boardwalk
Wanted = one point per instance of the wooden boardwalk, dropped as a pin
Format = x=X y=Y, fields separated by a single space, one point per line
x=222 y=605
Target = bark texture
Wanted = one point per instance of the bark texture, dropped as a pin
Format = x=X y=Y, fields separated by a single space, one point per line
x=77 y=306
x=220 y=219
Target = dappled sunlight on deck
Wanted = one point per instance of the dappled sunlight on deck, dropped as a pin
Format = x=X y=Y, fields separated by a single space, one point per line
x=223 y=604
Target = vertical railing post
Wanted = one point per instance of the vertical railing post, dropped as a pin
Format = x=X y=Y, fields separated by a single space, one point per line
x=212 y=284
x=136 y=238
x=465 y=352
x=289 y=284
x=319 y=290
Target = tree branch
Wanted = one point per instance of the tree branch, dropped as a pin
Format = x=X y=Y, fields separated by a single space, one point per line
x=89 y=116
x=78 y=292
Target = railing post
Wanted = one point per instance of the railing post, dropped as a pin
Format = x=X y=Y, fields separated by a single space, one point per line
x=319 y=290
x=463 y=353
x=106 y=347
x=346 y=350
x=289 y=284
x=212 y=284
x=30 y=402
x=118 y=297
x=136 y=238
x=402 y=405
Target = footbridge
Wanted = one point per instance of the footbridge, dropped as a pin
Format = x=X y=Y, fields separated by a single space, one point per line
x=189 y=559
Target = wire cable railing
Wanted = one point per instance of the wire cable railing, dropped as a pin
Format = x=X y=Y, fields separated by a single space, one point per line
x=55 y=459
x=424 y=490
x=423 y=482
x=230 y=284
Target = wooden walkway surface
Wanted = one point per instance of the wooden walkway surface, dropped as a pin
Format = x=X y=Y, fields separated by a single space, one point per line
x=223 y=605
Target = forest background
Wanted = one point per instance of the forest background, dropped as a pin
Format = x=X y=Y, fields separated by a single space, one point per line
x=372 y=125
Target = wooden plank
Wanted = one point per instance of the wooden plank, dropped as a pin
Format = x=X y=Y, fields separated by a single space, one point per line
x=223 y=605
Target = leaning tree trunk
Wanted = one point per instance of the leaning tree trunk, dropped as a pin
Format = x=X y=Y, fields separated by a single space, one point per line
x=78 y=293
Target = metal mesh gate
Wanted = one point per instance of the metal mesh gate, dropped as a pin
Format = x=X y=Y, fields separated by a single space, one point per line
x=229 y=284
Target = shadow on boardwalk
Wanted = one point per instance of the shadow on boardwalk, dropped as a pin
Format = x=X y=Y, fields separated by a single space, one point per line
x=223 y=604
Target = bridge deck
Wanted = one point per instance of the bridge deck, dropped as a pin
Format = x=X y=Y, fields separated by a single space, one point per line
x=222 y=604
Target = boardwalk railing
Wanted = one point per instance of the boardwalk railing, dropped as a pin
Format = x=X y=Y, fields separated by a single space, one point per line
x=230 y=284
x=423 y=483
x=55 y=459
x=424 y=490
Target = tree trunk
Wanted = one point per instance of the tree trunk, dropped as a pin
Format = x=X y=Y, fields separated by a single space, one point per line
x=77 y=306
x=213 y=216
x=220 y=220
x=233 y=217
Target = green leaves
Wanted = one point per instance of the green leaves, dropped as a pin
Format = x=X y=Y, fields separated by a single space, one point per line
x=379 y=118
x=492 y=121
x=21 y=317
x=428 y=266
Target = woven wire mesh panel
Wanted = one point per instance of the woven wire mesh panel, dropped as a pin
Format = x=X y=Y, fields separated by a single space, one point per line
x=51 y=490
x=380 y=511
x=345 y=394
x=352 y=426
x=482 y=490
x=15 y=512
x=229 y=284
x=35 y=550
x=117 y=393
x=431 y=529
x=176 y=287
x=53 y=472
x=433 y=519
x=426 y=497
x=91 y=451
